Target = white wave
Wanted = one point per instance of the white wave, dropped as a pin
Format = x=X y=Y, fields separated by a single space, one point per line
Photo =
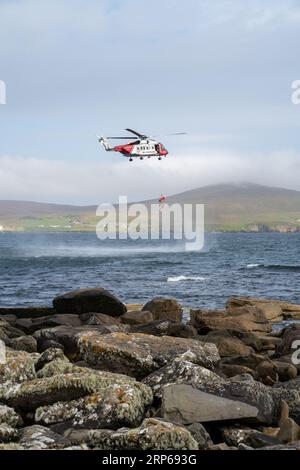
x=186 y=278
x=253 y=265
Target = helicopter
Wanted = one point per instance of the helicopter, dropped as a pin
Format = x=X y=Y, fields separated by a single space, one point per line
x=143 y=147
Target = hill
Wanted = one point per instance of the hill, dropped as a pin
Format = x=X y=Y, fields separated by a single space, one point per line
x=228 y=207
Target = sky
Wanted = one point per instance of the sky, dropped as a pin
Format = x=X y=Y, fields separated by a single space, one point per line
x=220 y=70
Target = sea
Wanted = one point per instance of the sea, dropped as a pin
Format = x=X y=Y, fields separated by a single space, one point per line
x=34 y=268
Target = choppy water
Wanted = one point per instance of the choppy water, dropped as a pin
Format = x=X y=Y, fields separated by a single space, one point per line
x=34 y=268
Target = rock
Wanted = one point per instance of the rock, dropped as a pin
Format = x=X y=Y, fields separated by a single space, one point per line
x=92 y=318
x=55 y=320
x=251 y=320
x=89 y=300
x=200 y=435
x=267 y=371
x=7 y=433
x=222 y=446
x=10 y=417
x=153 y=434
x=238 y=388
x=40 y=438
x=18 y=368
x=68 y=336
x=11 y=446
x=291 y=334
x=289 y=431
x=184 y=404
x=61 y=387
x=285 y=371
x=291 y=446
x=237 y=435
x=24 y=343
x=137 y=317
x=164 y=309
x=227 y=344
x=156 y=328
x=230 y=370
x=271 y=309
x=50 y=355
x=138 y=355
x=26 y=312
x=250 y=360
x=55 y=367
x=43 y=344
x=180 y=330
x=117 y=405
x=289 y=359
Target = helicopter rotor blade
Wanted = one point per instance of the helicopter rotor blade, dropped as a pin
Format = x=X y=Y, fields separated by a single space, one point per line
x=125 y=137
x=141 y=136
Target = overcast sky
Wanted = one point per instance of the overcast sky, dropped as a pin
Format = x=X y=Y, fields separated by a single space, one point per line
x=221 y=70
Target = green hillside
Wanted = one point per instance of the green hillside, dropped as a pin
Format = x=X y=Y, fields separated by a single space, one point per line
x=228 y=207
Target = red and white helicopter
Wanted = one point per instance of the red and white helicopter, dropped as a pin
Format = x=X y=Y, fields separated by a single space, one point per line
x=143 y=147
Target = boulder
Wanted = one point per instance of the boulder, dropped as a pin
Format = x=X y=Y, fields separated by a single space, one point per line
x=55 y=320
x=153 y=434
x=237 y=435
x=180 y=330
x=89 y=300
x=285 y=371
x=18 y=368
x=117 y=405
x=230 y=370
x=290 y=334
x=137 y=355
x=184 y=404
x=68 y=336
x=40 y=438
x=10 y=417
x=7 y=433
x=271 y=310
x=49 y=355
x=200 y=435
x=43 y=344
x=24 y=343
x=164 y=309
x=251 y=320
x=155 y=328
x=137 y=317
x=238 y=388
x=26 y=312
x=61 y=387
x=227 y=343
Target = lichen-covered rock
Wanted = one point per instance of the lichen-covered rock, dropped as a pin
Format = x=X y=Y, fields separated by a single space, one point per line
x=11 y=446
x=153 y=434
x=50 y=355
x=61 y=387
x=10 y=417
x=40 y=438
x=164 y=309
x=237 y=435
x=19 y=367
x=138 y=355
x=93 y=318
x=118 y=405
x=55 y=367
x=7 y=433
x=89 y=300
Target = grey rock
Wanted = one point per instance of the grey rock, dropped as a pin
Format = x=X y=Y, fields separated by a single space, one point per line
x=184 y=404
x=164 y=309
x=40 y=438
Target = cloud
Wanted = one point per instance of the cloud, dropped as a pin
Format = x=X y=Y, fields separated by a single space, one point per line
x=95 y=183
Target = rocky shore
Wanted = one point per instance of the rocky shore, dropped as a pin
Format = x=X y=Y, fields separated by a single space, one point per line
x=93 y=373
